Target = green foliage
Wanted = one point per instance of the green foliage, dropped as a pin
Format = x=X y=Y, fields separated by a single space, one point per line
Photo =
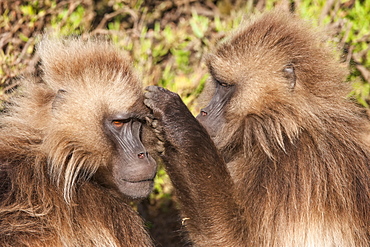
x=361 y=91
x=71 y=21
x=161 y=187
x=199 y=25
x=358 y=36
x=354 y=37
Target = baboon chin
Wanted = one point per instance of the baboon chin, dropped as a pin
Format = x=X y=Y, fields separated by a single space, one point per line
x=73 y=150
x=284 y=161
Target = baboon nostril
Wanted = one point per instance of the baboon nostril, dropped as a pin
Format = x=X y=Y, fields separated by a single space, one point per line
x=141 y=155
x=203 y=113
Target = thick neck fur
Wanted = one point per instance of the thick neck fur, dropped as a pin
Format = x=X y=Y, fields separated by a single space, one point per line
x=309 y=169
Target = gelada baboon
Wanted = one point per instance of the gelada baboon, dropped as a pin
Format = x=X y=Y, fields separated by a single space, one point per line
x=71 y=151
x=292 y=143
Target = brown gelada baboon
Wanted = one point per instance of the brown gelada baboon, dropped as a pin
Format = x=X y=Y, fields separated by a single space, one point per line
x=285 y=162
x=72 y=153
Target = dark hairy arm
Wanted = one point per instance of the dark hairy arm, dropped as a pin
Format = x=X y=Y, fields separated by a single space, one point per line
x=199 y=175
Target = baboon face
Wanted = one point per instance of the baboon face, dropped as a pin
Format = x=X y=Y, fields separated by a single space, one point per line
x=133 y=169
x=258 y=66
x=212 y=116
x=238 y=88
x=108 y=126
x=97 y=125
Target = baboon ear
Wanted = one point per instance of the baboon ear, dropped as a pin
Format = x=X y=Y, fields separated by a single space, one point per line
x=289 y=74
x=59 y=99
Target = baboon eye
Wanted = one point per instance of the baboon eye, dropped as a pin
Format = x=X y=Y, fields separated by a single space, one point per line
x=223 y=84
x=119 y=123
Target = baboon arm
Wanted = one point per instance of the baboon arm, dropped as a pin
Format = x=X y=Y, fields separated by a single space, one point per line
x=197 y=171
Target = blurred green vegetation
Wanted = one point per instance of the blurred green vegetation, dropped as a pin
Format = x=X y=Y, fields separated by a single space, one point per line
x=168 y=39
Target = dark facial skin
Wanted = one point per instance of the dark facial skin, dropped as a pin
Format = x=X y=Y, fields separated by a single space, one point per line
x=212 y=116
x=133 y=169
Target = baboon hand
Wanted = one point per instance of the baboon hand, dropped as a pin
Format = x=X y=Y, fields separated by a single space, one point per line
x=170 y=117
x=162 y=102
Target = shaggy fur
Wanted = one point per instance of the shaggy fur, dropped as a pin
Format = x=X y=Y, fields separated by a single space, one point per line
x=297 y=156
x=51 y=148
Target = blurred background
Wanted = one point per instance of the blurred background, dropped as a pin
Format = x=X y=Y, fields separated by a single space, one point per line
x=166 y=40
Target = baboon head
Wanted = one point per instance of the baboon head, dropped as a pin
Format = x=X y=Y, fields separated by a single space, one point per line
x=273 y=64
x=93 y=117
